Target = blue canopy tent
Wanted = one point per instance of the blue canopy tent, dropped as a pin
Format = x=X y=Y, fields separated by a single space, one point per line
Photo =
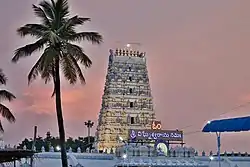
x=227 y=125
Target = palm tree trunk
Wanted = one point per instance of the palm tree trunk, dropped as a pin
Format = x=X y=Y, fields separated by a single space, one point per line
x=60 y=116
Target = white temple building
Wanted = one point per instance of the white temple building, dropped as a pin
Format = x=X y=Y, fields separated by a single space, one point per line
x=181 y=159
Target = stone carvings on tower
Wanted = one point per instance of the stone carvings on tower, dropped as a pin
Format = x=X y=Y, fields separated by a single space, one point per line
x=127 y=102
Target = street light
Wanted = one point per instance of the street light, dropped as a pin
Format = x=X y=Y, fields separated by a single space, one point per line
x=121 y=139
x=58 y=148
x=124 y=156
x=89 y=125
x=126 y=146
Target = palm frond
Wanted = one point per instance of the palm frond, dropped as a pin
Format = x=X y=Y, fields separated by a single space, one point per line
x=77 y=52
x=54 y=80
x=78 y=69
x=37 y=30
x=93 y=37
x=68 y=69
x=74 y=21
x=1 y=127
x=6 y=95
x=3 y=78
x=39 y=12
x=47 y=74
x=53 y=4
x=48 y=9
x=6 y=113
x=43 y=66
x=28 y=49
x=47 y=65
x=62 y=7
x=35 y=70
x=53 y=38
x=71 y=23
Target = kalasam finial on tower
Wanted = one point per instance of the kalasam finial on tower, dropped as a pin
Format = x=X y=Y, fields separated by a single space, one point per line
x=129 y=49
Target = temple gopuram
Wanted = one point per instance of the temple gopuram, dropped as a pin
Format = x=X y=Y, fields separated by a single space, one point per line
x=127 y=102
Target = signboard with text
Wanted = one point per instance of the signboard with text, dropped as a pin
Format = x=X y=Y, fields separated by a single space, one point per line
x=150 y=134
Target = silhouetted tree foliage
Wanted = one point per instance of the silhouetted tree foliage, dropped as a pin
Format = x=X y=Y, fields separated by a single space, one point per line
x=56 y=37
x=8 y=96
x=49 y=141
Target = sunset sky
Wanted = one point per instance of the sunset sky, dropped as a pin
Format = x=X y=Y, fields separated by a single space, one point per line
x=198 y=58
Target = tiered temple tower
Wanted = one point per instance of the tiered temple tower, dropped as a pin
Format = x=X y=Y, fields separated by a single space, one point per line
x=127 y=102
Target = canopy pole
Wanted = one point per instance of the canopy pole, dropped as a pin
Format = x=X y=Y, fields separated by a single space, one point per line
x=218 y=146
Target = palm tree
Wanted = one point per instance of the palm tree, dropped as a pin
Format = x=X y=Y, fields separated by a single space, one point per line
x=5 y=95
x=55 y=34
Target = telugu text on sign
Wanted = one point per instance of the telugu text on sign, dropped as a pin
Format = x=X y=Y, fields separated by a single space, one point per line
x=156 y=125
x=149 y=134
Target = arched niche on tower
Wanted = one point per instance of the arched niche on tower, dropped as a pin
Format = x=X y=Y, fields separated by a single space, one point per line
x=123 y=113
x=128 y=118
x=118 y=119
x=135 y=104
x=107 y=130
x=107 y=137
x=108 y=114
x=146 y=120
x=137 y=119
